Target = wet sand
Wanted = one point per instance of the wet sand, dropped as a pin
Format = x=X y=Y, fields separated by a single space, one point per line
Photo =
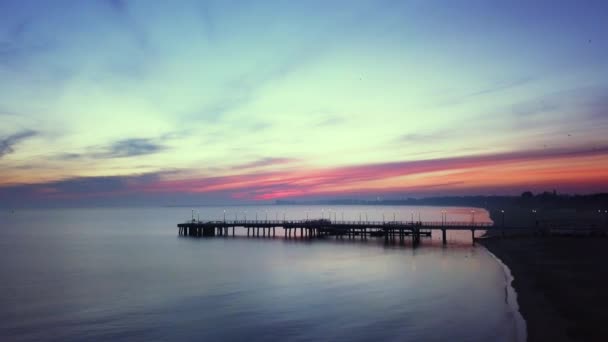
x=561 y=284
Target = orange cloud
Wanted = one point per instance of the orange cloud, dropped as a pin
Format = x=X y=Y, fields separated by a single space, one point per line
x=566 y=170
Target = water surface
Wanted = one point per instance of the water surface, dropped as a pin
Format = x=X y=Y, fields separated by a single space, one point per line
x=125 y=274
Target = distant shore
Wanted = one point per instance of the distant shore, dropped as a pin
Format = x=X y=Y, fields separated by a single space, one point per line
x=561 y=284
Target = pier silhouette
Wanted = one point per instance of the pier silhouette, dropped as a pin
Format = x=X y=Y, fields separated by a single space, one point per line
x=390 y=230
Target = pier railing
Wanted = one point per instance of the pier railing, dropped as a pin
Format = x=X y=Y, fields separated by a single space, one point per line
x=338 y=223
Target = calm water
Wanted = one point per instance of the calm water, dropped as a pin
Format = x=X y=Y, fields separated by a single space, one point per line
x=125 y=274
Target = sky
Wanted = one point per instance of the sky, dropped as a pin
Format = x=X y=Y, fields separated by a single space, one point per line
x=175 y=102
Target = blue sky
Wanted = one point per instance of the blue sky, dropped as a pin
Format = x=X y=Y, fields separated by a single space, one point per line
x=165 y=98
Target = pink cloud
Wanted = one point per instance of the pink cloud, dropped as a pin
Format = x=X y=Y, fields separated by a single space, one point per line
x=349 y=179
x=575 y=169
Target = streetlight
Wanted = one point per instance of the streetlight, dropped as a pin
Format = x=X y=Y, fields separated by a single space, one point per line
x=224 y=216
x=503 y=218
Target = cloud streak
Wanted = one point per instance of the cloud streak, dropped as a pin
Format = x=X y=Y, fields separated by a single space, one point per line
x=332 y=181
x=330 y=121
x=494 y=88
x=130 y=148
x=479 y=173
x=264 y=162
x=7 y=144
x=125 y=148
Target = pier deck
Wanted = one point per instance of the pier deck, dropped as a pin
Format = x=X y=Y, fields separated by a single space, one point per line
x=322 y=227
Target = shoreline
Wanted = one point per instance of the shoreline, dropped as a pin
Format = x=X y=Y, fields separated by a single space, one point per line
x=560 y=284
x=521 y=331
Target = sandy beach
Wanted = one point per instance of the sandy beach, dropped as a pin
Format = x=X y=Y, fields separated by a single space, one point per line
x=561 y=285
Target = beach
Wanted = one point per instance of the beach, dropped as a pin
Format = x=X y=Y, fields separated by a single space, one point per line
x=560 y=283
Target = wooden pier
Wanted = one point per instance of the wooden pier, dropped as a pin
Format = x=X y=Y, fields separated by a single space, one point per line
x=318 y=228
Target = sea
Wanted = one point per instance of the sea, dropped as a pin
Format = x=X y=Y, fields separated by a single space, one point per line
x=125 y=274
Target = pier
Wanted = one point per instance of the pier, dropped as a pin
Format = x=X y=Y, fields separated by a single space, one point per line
x=392 y=230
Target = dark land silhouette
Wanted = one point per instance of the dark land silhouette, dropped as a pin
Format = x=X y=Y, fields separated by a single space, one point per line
x=527 y=200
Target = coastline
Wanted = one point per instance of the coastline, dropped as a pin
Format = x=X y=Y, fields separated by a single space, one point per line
x=560 y=284
x=511 y=298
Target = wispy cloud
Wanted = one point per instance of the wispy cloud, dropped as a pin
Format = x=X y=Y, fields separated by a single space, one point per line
x=348 y=179
x=458 y=174
x=491 y=88
x=7 y=144
x=79 y=188
x=219 y=108
x=536 y=107
x=130 y=148
x=426 y=141
x=264 y=162
x=332 y=120
x=565 y=110
x=424 y=138
x=244 y=88
x=499 y=86
x=125 y=148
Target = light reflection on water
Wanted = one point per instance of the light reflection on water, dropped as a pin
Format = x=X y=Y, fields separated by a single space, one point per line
x=124 y=274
